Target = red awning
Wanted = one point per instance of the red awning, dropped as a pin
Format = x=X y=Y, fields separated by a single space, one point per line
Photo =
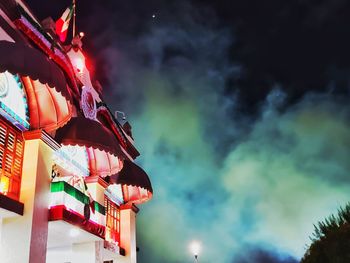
x=104 y=152
x=48 y=109
x=22 y=59
x=136 y=185
x=102 y=163
x=85 y=132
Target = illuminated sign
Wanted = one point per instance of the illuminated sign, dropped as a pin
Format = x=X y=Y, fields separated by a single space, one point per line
x=13 y=100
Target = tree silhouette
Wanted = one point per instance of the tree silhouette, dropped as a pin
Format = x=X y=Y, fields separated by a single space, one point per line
x=331 y=239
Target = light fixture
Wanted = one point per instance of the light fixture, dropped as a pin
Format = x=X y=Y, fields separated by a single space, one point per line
x=117 y=112
x=195 y=248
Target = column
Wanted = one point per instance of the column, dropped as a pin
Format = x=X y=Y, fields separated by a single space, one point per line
x=128 y=233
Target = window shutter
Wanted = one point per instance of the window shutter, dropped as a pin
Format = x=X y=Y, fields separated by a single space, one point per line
x=112 y=221
x=11 y=155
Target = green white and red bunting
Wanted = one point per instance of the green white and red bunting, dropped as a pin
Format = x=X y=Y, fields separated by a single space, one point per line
x=64 y=194
x=62 y=23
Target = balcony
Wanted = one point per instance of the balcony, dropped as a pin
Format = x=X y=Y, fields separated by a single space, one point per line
x=74 y=207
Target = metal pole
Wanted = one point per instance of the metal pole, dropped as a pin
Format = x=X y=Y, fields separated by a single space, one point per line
x=74 y=14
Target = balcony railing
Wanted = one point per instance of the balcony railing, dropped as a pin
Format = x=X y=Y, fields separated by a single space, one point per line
x=73 y=206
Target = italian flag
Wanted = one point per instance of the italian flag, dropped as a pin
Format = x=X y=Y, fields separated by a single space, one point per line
x=62 y=23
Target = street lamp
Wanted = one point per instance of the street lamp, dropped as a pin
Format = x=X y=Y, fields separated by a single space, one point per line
x=195 y=248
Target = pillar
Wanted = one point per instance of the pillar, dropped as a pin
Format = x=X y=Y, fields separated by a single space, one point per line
x=24 y=238
x=128 y=233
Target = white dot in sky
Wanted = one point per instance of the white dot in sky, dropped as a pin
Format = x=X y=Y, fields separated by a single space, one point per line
x=153 y=16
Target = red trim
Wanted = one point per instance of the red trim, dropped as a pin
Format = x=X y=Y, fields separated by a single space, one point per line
x=60 y=212
x=105 y=114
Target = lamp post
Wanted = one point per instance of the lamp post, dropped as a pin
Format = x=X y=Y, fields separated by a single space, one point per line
x=195 y=248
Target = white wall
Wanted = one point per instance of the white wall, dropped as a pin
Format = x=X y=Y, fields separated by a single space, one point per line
x=0 y=227
x=59 y=255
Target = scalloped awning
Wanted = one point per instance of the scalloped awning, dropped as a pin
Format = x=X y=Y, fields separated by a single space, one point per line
x=48 y=109
x=136 y=185
x=105 y=154
x=22 y=59
x=85 y=132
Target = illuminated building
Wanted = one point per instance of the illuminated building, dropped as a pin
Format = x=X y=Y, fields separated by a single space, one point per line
x=68 y=182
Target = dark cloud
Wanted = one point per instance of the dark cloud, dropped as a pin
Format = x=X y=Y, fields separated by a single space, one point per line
x=302 y=45
x=263 y=256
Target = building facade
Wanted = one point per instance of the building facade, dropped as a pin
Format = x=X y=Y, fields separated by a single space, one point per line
x=69 y=185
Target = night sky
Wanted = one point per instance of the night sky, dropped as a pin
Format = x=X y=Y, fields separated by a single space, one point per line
x=240 y=110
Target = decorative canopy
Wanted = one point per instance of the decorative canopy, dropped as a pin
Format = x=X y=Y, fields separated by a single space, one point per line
x=86 y=132
x=48 y=109
x=102 y=163
x=25 y=60
x=104 y=153
x=137 y=187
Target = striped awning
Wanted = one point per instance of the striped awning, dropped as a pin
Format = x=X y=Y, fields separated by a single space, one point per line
x=104 y=152
x=136 y=185
x=19 y=58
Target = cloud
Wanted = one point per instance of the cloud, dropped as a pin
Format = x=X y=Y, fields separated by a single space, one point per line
x=290 y=171
x=263 y=256
x=250 y=187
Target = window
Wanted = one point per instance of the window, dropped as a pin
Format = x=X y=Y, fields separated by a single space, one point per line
x=112 y=221
x=11 y=155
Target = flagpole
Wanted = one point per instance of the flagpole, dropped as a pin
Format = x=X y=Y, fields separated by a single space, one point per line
x=74 y=18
